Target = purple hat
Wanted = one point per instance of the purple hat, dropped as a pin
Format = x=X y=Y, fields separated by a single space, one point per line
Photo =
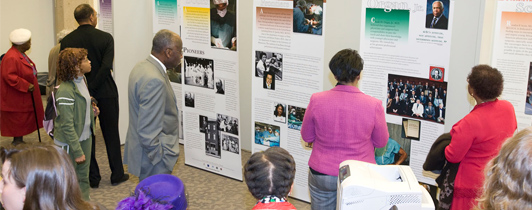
x=156 y=192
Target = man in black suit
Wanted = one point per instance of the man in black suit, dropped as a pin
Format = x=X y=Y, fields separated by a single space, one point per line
x=100 y=47
x=437 y=19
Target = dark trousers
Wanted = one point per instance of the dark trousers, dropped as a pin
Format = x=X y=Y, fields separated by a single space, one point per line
x=109 y=125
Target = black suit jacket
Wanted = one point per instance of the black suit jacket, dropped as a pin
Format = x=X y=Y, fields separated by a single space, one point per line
x=100 y=47
x=441 y=24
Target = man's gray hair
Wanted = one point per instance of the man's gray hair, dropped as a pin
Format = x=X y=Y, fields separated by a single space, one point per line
x=164 y=39
x=441 y=4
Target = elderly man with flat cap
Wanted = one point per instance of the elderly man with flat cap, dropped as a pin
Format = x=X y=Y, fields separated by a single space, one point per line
x=223 y=26
x=152 y=145
x=17 y=84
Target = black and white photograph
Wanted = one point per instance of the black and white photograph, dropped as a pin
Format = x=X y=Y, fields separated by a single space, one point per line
x=267 y=134
x=308 y=16
x=228 y=124
x=230 y=144
x=269 y=62
x=295 y=117
x=203 y=123
x=417 y=98
x=279 y=113
x=199 y=72
x=220 y=86
x=212 y=140
x=223 y=24
x=190 y=99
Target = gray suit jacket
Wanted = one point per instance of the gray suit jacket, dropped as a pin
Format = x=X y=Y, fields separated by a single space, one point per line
x=152 y=134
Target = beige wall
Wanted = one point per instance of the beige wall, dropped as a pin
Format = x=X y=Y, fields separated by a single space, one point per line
x=35 y=15
x=64 y=14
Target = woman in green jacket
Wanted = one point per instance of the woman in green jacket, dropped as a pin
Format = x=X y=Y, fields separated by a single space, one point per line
x=75 y=112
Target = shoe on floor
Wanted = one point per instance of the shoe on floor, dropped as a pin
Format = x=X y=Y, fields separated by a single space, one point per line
x=17 y=142
x=94 y=185
x=123 y=179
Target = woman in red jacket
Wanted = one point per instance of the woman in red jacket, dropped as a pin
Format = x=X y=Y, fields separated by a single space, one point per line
x=477 y=138
x=17 y=84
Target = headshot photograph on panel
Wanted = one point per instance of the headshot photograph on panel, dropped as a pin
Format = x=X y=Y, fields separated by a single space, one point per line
x=279 y=112
x=220 y=86
x=437 y=14
x=190 y=99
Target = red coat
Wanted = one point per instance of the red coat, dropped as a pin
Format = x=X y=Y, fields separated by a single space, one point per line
x=476 y=139
x=15 y=99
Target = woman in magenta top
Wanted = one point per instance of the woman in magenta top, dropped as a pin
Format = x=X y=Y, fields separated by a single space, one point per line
x=343 y=124
x=478 y=137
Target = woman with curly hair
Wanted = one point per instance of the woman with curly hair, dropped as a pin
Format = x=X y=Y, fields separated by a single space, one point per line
x=39 y=177
x=269 y=176
x=75 y=116
x=478 y=137
x=508 y=183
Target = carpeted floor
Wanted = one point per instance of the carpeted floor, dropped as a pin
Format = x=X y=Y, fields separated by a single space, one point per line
x=205 y=190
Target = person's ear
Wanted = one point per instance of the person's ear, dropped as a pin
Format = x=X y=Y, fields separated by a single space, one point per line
x=168 y=52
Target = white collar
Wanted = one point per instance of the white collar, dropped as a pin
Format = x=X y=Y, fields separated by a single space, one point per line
x=158 y=61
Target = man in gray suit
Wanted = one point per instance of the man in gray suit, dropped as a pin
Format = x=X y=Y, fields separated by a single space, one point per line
x=152 y=145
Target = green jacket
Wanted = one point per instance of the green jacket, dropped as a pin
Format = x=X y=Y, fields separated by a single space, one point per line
x=70 y=120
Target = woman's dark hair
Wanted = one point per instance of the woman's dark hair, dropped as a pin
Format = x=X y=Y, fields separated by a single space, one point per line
x=48 y=175
x=275 y=111
x=487 y=82
x=261 y=54
x=270 y=172
x=69 y=59
x=346 y=65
